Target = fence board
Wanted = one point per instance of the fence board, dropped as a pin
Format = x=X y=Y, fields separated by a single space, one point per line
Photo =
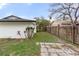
x=65 y=32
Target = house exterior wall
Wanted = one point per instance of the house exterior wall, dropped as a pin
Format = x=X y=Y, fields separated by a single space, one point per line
x=9 y=29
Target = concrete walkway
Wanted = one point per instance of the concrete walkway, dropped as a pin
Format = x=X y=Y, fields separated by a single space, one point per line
x=58 y=49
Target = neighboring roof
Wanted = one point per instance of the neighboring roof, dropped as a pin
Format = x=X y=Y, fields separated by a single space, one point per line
x=63 y=22
x=13 y=18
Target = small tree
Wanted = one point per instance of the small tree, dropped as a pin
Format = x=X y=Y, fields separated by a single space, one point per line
x=30 y=32
x=25 y=33
x=41 y=23
x=18 y=33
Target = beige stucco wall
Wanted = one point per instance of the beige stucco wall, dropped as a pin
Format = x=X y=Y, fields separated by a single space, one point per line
x=55 y=23
x=9 y=29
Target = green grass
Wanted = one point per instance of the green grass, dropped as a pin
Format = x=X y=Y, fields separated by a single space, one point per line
x=44 y=37
x=25 y=47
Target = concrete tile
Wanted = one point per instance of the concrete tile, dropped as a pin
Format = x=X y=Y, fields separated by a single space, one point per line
x=44 y=54
x=46 y=50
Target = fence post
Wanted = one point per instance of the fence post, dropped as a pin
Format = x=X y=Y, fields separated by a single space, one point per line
x=50 y=29
x=66 y=33
x=58 y=30
x=76 y=33
x=73 y=33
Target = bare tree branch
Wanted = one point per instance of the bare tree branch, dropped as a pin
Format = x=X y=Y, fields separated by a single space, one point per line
x=66 y=9
x=76 y=17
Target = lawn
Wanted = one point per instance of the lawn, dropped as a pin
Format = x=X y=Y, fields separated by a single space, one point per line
x=26 y=47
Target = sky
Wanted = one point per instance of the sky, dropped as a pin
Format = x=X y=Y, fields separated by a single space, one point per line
x=24 y=10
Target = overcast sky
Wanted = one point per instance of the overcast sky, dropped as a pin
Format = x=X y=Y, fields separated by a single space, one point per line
x=24 y=10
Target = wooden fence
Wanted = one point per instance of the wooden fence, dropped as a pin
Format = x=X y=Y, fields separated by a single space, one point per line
x=65 y=32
